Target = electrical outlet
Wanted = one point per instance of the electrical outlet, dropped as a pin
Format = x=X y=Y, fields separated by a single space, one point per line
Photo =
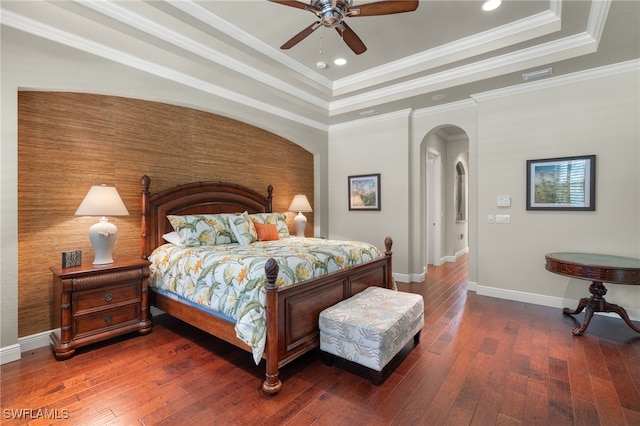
x=503 y=218
x=71 y=258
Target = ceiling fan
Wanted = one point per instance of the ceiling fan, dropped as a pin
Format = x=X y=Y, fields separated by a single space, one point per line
x=331 y=14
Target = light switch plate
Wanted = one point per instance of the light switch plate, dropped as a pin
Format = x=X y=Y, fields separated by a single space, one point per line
x=503 y=201
x=71 y=258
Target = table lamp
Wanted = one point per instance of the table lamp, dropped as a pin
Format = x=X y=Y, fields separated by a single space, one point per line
x=300 y=204
x=102 y=201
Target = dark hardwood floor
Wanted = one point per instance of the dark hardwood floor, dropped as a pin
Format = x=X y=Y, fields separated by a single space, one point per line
x=480 y=361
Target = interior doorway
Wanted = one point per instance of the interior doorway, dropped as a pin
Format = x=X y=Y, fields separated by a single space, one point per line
x=445 y=189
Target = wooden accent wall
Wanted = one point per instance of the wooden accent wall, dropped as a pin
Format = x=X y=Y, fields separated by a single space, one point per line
x=70 y=141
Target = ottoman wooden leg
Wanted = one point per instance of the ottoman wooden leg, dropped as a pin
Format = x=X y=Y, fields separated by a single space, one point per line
x=376 y=377
x=327 y=358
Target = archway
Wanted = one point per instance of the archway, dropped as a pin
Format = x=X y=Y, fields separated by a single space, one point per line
x=445 y=191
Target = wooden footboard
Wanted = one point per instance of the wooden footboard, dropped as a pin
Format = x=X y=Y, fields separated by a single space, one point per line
x=292 y=312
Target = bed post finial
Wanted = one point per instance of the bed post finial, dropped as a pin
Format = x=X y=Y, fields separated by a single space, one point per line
x=269 y=199
x=145 y=181
x=272 y=383
x=388 y=242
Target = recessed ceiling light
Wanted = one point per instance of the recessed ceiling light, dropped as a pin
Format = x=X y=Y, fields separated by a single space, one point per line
x=340 y=61
x=491 y=5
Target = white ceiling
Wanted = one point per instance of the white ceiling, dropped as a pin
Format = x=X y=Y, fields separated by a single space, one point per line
x=231 y=48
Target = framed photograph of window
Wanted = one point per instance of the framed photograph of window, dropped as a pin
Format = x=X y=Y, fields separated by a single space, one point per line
x=567 y=183
x=364 y=192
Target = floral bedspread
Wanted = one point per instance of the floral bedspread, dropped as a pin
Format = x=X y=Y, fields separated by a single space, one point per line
x=230 y=278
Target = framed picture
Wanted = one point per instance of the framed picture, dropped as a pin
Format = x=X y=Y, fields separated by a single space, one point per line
x=364 y=192
x=567 y=183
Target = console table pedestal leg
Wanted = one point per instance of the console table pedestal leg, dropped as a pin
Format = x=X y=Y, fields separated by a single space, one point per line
x=596 y=303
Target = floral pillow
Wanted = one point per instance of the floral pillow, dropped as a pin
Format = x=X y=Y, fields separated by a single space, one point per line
x=278 y=219
x=242 y=228
x=202 y=230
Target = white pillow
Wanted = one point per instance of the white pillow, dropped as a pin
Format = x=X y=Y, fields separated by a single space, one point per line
x=172 y=237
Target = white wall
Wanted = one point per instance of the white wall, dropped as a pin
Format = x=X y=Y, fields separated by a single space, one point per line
x=595 y=112
x=369 y=146
x=601 y=116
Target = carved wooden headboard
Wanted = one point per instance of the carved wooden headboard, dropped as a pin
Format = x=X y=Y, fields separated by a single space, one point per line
x=194 y=198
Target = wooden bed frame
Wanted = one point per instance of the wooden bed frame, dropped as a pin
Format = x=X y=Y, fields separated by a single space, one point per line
x=292 y=312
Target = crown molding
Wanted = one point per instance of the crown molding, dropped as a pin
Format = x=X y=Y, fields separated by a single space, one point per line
x=605 y=71
x=21 y=23
x=510 y=62
x=525 y=29
x=164 y=33
x=452 y=106
x=204 y=15
x=402 y=113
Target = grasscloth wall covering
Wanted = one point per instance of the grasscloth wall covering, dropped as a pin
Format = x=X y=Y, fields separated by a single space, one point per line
x=70 y=141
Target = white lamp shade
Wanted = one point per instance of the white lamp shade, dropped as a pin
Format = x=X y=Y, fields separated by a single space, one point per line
x=300 y=204
x=102 y=201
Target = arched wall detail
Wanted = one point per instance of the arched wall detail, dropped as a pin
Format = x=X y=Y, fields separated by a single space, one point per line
x=439 y=230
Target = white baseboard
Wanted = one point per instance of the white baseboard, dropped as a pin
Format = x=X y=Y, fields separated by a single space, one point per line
x=10 y=354
x=540 y=299
x=25 y=344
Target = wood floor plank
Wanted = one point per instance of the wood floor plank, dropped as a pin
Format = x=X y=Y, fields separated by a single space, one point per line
x=480 y=360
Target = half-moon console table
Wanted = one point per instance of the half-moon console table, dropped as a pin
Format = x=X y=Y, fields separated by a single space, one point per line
x=597 y=268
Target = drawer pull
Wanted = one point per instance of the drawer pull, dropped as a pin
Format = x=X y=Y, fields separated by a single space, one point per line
x=108 y=297
x=108 y=319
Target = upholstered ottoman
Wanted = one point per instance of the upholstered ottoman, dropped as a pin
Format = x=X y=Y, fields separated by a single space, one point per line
x=371 y=328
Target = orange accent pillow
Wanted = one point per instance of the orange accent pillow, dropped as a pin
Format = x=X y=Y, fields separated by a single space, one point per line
x=266 y=231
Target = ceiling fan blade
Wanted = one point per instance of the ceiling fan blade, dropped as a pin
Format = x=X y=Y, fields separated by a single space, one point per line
x=383 y=8
x=301 y=35
x=351 y=38
x=293 y=3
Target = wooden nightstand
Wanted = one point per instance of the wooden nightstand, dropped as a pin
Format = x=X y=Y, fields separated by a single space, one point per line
x=97 y=302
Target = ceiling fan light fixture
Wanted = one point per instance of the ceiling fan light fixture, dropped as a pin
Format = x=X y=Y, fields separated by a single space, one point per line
x=331 y=14
x=490 y=5
x=321 y=65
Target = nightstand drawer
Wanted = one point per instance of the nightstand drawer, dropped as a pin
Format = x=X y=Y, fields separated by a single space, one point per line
x=102 y=297
x=106 y=319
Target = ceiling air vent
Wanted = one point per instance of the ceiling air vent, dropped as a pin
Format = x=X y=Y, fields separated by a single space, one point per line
x=369 y=113
x=534 y=75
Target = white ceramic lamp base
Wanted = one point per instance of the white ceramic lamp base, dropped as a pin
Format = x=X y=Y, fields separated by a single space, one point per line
x=301 y=223
x=103 y=236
